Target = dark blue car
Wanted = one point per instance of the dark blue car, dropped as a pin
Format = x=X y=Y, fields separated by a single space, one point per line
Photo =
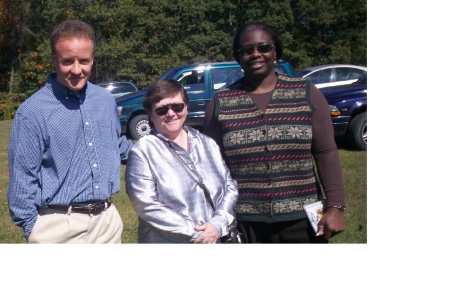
x=348 y=108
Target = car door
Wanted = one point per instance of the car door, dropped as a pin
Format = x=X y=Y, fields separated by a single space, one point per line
x=194 y=81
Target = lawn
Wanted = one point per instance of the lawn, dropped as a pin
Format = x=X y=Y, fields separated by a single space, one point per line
x=354 y=164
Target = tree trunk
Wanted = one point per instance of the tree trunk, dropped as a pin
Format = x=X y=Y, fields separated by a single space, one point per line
x=11 y=78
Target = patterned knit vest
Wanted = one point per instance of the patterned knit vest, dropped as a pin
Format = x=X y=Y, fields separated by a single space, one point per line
x=268 y=153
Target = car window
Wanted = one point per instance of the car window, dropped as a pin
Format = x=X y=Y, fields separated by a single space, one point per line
x=320 y=77
x=363 y=79
x=126 y=88
x=222 y=78
x=192 y=80
x=343 y=74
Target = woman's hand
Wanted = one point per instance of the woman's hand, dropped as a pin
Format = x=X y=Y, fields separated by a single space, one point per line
x=331 y=223
x=209 y=235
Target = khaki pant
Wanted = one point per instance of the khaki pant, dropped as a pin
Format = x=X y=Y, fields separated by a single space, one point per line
x=54 y=226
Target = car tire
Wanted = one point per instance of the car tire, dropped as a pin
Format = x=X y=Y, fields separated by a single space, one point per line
x=357 y=132
x=139 y=126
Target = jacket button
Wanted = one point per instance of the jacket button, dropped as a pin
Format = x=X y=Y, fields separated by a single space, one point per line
x=263 y=132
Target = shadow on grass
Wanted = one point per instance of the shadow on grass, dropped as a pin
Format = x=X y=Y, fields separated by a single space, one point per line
x=343 y=144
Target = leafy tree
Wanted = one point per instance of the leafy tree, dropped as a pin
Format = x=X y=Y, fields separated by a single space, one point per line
x=139 y=40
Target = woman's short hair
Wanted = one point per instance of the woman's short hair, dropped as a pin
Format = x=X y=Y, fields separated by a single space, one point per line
x=161 y=90
x=71 y=29
x=251 y=26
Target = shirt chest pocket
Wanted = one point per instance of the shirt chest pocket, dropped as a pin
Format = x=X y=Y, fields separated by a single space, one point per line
x=106 y=133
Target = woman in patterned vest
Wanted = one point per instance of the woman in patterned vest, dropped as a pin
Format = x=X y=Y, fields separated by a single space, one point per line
x=277 y=138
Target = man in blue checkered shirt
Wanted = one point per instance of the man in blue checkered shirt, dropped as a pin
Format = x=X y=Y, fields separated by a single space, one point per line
x=66 y=149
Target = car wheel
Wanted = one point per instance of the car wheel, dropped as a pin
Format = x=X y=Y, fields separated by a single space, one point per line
x=139 y=126
x=357 y=132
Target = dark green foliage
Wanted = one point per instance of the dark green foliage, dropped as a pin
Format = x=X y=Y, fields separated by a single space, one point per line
x=139 y=40
x=6 y=113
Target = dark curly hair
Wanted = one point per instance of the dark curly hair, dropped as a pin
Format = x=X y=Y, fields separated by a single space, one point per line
x=251 y=26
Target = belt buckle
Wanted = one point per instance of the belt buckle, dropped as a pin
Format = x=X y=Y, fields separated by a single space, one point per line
x=89 y=208
x=93 y=208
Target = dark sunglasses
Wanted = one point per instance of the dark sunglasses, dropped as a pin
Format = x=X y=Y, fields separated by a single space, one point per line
x=262 y=48
x=177 y=108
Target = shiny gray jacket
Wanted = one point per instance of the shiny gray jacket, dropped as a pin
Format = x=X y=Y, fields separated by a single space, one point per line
x=168 y=201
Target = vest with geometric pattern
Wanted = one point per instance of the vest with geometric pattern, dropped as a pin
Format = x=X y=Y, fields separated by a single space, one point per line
x=268 y=153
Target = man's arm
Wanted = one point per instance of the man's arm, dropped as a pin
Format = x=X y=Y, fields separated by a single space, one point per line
x=24 y=162
x=125 y=145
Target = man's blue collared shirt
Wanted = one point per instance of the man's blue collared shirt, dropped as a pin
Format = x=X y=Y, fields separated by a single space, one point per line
x=63 y=149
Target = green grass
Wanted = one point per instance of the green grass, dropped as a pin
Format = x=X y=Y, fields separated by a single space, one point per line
x=354 y=164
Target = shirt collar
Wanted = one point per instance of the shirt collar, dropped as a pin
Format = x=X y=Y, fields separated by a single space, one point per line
x=191 y=133
x=61 y=91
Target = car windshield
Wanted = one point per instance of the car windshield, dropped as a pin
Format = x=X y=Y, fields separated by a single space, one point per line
x=169 y=74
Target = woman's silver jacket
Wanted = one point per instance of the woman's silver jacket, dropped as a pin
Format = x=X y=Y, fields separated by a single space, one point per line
x=167 y=199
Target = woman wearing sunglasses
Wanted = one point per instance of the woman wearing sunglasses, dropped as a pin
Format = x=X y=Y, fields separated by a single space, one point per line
x=273 y=131
x=170 y=203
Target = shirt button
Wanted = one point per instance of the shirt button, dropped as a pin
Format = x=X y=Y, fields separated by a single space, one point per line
x=270 y=182
x=90 y=144
x=95 y=165
x=263 y=132
x=87 y=123
x=267 y=165
x=67 y=98
x=266 y=149
x=96 y=186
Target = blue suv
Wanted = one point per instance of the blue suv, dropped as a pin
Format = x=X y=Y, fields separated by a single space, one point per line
x=201 y=82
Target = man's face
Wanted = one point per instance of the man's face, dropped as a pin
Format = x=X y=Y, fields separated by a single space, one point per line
x=73 y=61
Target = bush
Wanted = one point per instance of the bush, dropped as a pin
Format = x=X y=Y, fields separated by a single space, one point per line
x=9 y=103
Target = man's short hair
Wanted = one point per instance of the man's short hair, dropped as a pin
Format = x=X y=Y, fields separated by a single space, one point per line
x=71 y=29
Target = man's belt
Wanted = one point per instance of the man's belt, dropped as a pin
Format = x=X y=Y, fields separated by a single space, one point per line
x=91 y=209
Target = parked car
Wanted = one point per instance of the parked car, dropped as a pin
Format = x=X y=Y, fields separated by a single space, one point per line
x=332 y=74
x=201 y=81
x=348 y=109
x=119 y=88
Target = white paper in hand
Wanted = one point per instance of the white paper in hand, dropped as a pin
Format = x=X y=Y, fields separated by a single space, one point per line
x=314 y=211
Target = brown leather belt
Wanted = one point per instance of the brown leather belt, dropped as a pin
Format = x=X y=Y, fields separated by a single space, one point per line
x=91 y=209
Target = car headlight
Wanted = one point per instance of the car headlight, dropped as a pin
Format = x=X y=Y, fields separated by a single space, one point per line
x=119 y=110
x=334 y=111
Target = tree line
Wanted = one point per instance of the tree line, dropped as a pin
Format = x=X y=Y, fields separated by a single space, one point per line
x=139 y=40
